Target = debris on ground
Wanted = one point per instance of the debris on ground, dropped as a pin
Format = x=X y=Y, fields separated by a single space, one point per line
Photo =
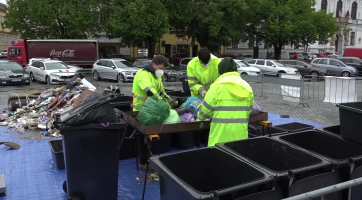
x=153 y=177
x=35 y=109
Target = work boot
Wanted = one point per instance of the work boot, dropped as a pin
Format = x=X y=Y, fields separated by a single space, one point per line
x=143 y=167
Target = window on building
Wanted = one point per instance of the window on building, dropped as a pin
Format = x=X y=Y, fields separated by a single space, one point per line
x=351 y=41
x=354 y=10
x=339 y=7
x=324 y=5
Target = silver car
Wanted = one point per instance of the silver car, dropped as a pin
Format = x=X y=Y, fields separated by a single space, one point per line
x=141 y=62
x=335 y=67
x=184 y=62
x=114 y=69
x=272 y=67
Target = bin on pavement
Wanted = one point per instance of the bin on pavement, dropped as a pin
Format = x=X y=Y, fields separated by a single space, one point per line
x=203 y=174
x=294 y=170
x=340 y=152
x=91 y=160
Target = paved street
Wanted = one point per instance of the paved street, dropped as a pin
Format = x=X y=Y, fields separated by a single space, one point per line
x=319 y=112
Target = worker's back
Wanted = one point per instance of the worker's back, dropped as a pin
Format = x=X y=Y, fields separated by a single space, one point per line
x=232 y=101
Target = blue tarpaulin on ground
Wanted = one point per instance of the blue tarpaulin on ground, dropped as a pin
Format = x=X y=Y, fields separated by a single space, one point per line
x=31 y=174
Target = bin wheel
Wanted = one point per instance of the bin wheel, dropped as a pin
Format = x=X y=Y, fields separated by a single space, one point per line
x=65 y=186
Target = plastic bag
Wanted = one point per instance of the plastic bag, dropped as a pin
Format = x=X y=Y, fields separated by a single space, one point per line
x=154 y=111
x=187 y=117
x=173 y=118
x=256 y=109
x=103 y=113
x=73 y=81
x=193 y=103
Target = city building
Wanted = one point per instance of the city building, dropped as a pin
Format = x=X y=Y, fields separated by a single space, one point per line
x=169 y=44
x=348 y=14
x=6 y=37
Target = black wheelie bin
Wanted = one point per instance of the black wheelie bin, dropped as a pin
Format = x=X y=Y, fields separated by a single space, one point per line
x=203 y=174
x=345 y=155
x=295 y=171
x=91 y=150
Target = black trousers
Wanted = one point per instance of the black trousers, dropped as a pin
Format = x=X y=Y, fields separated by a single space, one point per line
x=143 y=152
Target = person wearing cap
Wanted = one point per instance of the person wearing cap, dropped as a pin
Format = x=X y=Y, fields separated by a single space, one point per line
x=148 y=83
x=202 y=71
x=229 y=103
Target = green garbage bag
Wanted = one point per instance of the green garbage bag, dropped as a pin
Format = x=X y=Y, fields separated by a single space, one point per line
x=154 y=111
x=173 y=118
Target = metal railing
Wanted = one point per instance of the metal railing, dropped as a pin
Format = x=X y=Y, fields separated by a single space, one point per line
x=327 y=190
x=300 y=90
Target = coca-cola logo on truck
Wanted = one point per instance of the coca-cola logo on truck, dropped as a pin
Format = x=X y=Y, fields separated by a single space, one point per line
x=65 y=53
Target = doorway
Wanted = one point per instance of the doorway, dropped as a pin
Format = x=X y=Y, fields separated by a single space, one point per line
x=195 y=48
x=168 y=49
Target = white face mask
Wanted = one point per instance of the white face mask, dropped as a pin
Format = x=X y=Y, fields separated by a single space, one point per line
x=159 y=73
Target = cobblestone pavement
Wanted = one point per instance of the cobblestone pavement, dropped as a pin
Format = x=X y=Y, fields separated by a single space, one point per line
x=313 y=110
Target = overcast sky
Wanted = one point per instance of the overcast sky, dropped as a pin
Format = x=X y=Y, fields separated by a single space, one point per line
x=3 y=1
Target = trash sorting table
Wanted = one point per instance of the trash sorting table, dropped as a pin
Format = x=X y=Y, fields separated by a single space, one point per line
x=345 y=155
x=152 y=132
x=91 y=160
x=203 y=174
x=294 y=170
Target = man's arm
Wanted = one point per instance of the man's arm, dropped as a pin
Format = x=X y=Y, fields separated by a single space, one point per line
x=206 y=110
x=194 y=84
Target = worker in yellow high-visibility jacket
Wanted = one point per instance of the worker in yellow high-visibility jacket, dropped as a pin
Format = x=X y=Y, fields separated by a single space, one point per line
x=148 y=83
x=229 y=103
x=202 y=71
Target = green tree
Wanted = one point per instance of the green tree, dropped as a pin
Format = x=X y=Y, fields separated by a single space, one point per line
x=287 y=21
x=136 y=21
x=210 y=22
x=53 y=18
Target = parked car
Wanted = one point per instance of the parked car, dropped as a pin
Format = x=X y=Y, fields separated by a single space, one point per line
x=115 y=69
x=13 y=73
x=141 y=62
x=39 y=59
x=118 y=56
x=272 y=67
x=176 y=59
x=304 y=68
x=309 y=56
x=335 y=67
x=353 y=62
x=245 y=68
x=50 y=71
x=334 y=55
x=4 y=53
x=184 y=62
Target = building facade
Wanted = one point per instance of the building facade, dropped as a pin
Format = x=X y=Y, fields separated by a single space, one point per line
x=6 y=37
x=348 y=14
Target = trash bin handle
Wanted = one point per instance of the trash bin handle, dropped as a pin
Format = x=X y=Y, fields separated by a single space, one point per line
x=105 y=124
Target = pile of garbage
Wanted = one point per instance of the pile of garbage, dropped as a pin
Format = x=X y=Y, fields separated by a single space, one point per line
x=35 y=110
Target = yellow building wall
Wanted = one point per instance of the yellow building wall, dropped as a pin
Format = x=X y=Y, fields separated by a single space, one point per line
x=174 y=45
x=6 y=37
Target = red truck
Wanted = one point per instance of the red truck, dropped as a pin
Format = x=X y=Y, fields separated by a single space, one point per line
x=81 y=53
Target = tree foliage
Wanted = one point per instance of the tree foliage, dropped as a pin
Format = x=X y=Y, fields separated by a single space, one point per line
x=287 y=21
x=136 y=21
x=53 y=18
x=210 y=22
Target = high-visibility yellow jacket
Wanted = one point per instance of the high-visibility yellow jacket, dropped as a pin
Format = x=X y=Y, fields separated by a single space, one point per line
x=199 y=76
x=146 y=84
x=229 y=103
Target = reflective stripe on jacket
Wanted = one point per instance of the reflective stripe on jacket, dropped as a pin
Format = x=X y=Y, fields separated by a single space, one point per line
x=144 y=81
x=199 y=76
x=229 y=103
